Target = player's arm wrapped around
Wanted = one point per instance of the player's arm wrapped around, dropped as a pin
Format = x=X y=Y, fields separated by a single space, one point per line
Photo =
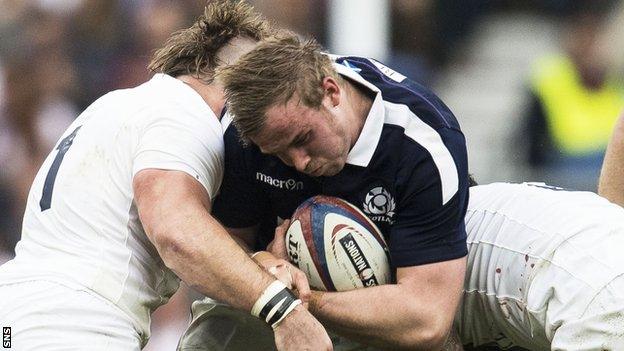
x=275 y=303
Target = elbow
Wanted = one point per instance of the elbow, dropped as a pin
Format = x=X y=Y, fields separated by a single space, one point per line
x=172 y=248
x=165 y=234
x=419 y=341
x=423 y=340
x=432 y=337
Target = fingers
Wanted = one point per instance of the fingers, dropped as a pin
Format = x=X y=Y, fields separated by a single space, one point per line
x=300 y=282
x=278 y=246
x=280 y=231
x=269 y=247
x=283 y=274
x=291 y=276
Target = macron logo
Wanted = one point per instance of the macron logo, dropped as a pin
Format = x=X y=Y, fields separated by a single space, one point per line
x=288 y=184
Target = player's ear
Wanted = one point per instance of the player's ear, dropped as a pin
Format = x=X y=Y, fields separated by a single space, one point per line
x=332 y=90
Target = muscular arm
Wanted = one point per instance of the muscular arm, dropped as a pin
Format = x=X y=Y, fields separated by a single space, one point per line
x=245 y=237
x=415 y=314
x=174 y=210
x=611 y=183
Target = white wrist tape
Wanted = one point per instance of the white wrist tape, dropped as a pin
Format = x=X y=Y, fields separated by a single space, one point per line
x=286 y=312
x=275 y=303
x=270 y=291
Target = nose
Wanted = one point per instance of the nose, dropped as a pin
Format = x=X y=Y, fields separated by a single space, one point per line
x=299 y=159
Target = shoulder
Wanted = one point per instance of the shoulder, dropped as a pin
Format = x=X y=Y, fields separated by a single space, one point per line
x=428 y=158
x=397 y=89
x=168 y=102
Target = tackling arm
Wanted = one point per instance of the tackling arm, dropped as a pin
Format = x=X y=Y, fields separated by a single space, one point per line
x=245 y=237
x=415 y=314
x=174 y=210
x=611 y=183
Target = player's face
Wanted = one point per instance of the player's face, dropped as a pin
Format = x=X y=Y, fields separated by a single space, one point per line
x=313 y=141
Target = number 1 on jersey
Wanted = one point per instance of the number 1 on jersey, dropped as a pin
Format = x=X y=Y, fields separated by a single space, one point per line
x=48 y=185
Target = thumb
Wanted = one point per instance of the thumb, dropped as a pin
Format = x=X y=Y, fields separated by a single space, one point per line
x=278 y=247
x=280 y=231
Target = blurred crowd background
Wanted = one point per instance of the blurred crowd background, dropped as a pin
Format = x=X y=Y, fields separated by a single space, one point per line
x=535 y=84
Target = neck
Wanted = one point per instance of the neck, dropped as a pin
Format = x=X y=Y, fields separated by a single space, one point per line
x=211 y=94
x=360 y=104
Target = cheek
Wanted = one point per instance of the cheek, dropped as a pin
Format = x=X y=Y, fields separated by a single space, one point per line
x=342 y=142
x=335 y=149
x=332 y=145
x=339 y=144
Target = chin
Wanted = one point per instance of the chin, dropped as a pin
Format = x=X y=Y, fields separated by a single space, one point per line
x=333 y=170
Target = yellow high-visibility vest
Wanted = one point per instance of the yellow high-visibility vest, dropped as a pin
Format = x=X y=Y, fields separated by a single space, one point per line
x=579 y=120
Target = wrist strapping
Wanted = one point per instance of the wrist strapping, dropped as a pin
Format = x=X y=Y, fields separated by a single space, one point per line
x=275 y=303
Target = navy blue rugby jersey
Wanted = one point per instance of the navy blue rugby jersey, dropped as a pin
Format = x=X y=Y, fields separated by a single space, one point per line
x=407 y=172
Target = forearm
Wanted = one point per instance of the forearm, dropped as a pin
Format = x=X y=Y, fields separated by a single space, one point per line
x=611 y=184
x=175 y=212
x=384 y=316
x=204 y=255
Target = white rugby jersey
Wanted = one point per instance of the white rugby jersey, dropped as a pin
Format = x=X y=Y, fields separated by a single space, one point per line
x=81 y=224
x=537 y=255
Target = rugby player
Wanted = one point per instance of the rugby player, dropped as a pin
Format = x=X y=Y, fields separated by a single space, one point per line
x=353 y=128
x=544 y=270
x=119 y=211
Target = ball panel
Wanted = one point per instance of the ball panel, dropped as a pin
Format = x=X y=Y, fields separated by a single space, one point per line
x=300 y=255
x=317 y=230
x=306 y=213
x=347 y=258
x=371 y=227
x=361 y=257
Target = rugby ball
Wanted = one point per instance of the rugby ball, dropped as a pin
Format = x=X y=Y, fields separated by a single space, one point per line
x=337 y=246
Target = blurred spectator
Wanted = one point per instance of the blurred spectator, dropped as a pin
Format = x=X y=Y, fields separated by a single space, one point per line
x=611 y=46
x=98 y=33
x=38 y=77
x=305 y=17
x=573 y=106
x=452 y=21
x=412 y=39
x=152 y=22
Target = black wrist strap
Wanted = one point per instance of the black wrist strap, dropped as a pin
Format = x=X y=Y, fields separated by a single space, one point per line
x=284 y=299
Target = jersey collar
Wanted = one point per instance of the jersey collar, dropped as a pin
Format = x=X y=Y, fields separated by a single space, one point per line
x=366 y=144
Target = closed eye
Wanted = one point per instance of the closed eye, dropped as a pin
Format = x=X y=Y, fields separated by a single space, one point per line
x=302 y=139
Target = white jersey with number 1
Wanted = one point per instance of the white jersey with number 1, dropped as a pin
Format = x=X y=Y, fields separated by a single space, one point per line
x=545 y=269
x=81 y=226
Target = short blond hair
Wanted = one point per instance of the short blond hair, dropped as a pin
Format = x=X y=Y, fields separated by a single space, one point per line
x=271 y=74
x=194 y=50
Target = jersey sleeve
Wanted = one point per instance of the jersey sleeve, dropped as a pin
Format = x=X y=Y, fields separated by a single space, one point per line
x=175 y=140
x=426 y=229
x=240 y=203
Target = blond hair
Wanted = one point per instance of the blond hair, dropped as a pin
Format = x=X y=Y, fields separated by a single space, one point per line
x=271 y=74
x=194 y=50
